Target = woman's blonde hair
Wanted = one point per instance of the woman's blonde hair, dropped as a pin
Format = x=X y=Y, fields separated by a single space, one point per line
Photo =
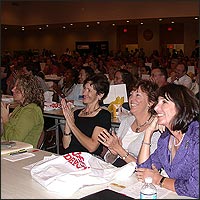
x=31 y=90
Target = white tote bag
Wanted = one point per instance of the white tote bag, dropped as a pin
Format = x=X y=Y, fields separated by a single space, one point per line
x=68 y=173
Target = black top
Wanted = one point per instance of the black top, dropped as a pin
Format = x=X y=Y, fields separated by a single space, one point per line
x=86 y=125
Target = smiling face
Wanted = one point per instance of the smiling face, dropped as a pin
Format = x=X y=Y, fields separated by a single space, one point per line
x=90 y=95
x=166 y=111
x=138 y=102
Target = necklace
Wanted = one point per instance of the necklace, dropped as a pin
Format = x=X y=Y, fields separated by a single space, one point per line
x=137 y=130
x=176 y=145
x=89 y=113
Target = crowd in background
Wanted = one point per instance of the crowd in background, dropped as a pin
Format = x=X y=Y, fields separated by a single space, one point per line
x=136 y=62
x=163 y=117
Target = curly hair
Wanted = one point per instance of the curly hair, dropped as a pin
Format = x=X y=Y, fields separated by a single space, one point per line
x=185 y=102
x=31 y=90
x=150 y=88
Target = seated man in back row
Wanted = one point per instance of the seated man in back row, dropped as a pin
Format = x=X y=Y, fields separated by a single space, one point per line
x=180 y=76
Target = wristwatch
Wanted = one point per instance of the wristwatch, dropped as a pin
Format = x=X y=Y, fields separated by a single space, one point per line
x=161 y=181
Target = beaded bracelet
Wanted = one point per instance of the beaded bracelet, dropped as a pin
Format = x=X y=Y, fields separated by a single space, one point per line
x=67 y=134
x=124 y=157
x=146 y=143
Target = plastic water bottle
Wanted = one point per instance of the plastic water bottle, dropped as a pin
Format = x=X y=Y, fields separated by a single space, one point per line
x=148 y=190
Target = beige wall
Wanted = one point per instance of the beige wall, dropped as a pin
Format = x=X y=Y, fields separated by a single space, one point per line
x=149 y=46
x=191 y=33
x=58 y=40
x=53 y=12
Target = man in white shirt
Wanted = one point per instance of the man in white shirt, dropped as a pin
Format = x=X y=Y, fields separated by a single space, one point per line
x=180 y=76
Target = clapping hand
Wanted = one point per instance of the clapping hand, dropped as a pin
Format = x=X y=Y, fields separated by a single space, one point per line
x=68 y=113
x=5 y=112
x=110 y=140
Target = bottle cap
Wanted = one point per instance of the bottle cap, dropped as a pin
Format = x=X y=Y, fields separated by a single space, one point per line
x=148 y=180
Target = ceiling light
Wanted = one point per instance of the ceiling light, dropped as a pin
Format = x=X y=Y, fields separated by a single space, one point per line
x=87 y=25
x=127 y=21
x=160 y=19
x=141 y=23
x=5 y=28
x=71 y=24
x=113 y=24
x=64 y=27
x=47 y=25
x=40 y=28
x=172 y=22
x=196 y=18
x=98 y=22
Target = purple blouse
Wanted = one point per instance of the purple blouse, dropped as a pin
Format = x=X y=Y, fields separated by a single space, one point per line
x=185 y=165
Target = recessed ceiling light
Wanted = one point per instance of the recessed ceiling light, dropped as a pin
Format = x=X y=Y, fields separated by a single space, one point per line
x=71 y=24
x=196 y=18
x=172 y=22
x=40 y=28
x=98 y=22
x=47 y=25
x=160 y=19
x=127 y=21
x=87 y=25
x=113 y=24
x=141 y=23
x=64 y=27
x=22 y=26
x=5 y=28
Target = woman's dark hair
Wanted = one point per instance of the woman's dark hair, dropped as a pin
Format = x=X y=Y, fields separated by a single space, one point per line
x=74 y=74
x=88 y=70
x=128 y=79
x=185 y=102
x=163 y=71
x=100 y=83
x=31 y=90
x=150 y=88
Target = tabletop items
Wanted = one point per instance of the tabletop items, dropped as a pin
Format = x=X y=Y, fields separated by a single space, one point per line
x=17 y=182
x=77 y=170
x=8 y=147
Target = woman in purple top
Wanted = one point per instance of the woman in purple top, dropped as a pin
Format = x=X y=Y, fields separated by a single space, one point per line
x=177 y=152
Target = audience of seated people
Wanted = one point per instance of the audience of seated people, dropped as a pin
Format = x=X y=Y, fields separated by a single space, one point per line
x=111 y=64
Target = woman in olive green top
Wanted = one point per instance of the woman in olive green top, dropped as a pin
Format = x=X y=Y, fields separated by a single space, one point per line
x=26 y=122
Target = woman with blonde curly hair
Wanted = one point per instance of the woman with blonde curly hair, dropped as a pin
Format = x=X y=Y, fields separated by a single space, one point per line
x=26 y=121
